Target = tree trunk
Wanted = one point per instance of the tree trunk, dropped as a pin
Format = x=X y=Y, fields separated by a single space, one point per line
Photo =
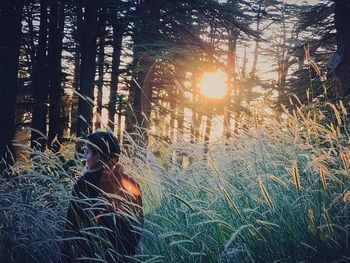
x=10 y=32
x=39 y=84
x=342 y=25
x=196 y=116
x=283 y=60
x=87 y=70
x=180 y=118
x=101 y=62
x=207 y=133
x=238 y=90
x=118 y=31
x=119 y=133
x=146 y=34
x=231 y=71
x=134 y=99
x=257 y=40
x=179 y=100
x=172 y=104
x=55 y=77
x=198 y=124
x=251 y=81
x=76 y=81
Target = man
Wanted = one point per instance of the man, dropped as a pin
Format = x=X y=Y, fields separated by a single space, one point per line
x=106 y=215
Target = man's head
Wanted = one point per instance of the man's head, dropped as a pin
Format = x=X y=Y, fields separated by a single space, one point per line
x=101 y=147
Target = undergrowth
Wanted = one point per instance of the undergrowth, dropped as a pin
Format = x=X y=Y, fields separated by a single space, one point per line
x=278 y=191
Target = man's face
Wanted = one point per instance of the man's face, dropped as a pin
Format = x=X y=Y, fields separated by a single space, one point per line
x=90 y=157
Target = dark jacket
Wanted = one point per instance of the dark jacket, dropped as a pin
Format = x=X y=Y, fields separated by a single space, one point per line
x=105 y=216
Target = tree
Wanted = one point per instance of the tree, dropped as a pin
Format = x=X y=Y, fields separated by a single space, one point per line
x=342 y=25
x=10 y=32
x=119 y=27
x=87 y=69
x=231 y=78
x=76 y=36
x=314 y=45
x=146 y=34
x=101 y=66
x=39 y=83
x=56 y=26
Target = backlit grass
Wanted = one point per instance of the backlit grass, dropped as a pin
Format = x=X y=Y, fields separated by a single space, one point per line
x=279 y=190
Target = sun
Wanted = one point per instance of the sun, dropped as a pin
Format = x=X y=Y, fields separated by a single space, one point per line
x=213 y=84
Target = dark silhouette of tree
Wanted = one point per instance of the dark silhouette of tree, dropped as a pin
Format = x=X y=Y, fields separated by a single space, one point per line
x=101 y=66
x=10 y=35
x=342 y=25
x=87 y=68
x=118 y=27
x=145 y=36
x=309 y=57
x=39 y=83
x=56 y=91
x=76 y=35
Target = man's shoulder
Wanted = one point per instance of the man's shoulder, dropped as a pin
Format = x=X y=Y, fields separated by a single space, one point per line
x=87 y=183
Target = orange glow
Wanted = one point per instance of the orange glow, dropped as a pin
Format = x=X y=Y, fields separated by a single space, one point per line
x=214 y=84
x=131 y=187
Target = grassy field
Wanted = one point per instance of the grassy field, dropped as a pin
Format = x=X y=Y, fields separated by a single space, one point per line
x=279 y=191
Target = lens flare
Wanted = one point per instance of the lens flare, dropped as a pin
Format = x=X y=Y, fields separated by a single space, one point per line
x=213 y=84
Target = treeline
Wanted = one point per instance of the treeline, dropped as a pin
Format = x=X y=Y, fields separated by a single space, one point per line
x=66 y=64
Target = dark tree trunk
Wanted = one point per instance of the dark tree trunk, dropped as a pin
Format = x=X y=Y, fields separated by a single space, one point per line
x=151 y=29
x=101 y=62
x=252 y=79
x=76 y=81
x=198 y=123
x=146 y=34
x=87 y=70
x=231 y=77
x=193 y=126
x=132 y=122
x=55 y=77
x=118 y=31
x=180 y=76
x=10 y=32
x=207 y=133
x=119 y=133
x=39 y=84
x=257 y=40
x=342 y=25
x=172 y=105
x=28 y=14
x=196 y=118
x=134 y=99
x=180 y=118
x=238 y=93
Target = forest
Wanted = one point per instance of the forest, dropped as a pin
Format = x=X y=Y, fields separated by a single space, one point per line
x=232 y=116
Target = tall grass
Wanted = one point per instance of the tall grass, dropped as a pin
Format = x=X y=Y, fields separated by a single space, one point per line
x=278 y=191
